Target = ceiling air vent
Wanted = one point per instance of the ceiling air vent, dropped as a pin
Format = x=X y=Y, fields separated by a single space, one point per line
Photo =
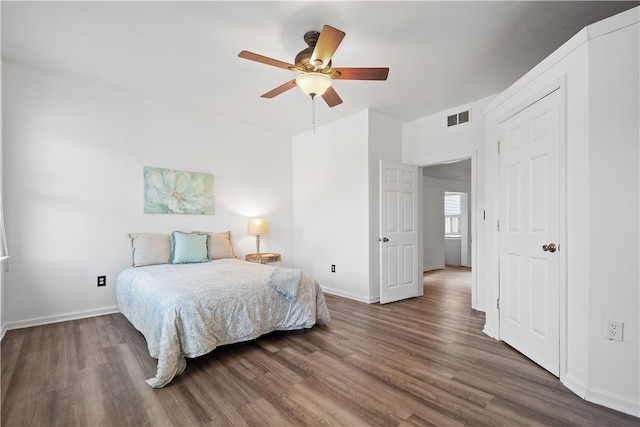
x=459 y=118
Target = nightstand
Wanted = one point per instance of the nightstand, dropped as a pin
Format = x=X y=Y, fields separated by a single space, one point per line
x=263 y=258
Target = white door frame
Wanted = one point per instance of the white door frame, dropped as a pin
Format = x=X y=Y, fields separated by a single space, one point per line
x=560 y=86
x=473 y=155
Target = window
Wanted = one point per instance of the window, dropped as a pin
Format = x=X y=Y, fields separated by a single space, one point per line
x=452 y=212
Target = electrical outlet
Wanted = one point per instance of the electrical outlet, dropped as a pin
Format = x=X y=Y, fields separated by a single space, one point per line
x=333 y=268
x=102 y=280
x=615 y=329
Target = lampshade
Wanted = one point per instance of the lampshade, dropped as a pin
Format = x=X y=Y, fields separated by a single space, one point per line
x=313 y=83
x=258 y=226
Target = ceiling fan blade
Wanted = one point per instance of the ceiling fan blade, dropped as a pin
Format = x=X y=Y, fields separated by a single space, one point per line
x=361 y=74
x=265 y=60
x=329 y=40
x=280 y=89
x=331 y=97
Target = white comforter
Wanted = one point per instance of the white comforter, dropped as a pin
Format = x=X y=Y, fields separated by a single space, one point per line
x=187 y=310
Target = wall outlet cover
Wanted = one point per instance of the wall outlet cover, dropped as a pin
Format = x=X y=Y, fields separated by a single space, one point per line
x=615 y=330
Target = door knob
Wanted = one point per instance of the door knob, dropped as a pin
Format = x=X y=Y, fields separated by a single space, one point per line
x=551 y=247
x=383 y=239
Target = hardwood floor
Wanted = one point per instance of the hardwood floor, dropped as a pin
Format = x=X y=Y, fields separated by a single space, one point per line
x=422 y=361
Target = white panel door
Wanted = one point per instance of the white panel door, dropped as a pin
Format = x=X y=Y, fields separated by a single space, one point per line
x=400 y=273
x=529 y=232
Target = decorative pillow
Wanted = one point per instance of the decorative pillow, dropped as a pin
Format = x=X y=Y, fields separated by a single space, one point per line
x=189 y=248
x=220 y=245
x=150 y=249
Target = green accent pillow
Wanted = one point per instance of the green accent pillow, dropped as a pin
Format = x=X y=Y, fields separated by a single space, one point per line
x=187 y=248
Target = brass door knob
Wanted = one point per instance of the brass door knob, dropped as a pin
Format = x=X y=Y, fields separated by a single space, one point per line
x=551 y=247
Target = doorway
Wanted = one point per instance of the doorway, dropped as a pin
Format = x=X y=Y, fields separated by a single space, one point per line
x=449 y=176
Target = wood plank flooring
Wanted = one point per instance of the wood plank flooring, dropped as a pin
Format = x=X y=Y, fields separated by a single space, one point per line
x=422 y=361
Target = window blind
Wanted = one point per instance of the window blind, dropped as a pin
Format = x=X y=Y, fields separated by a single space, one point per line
x=452 y=204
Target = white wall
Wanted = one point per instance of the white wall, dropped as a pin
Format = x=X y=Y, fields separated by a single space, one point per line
x=428 y=141
x=598 y=73
x=3 y=264
x=331 y=205
x=614 y=140
x=335 y=201
x=73 y=158
x=432 y=226
x=452 y=250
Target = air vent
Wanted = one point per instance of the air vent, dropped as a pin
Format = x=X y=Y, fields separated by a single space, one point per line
x=459 y=118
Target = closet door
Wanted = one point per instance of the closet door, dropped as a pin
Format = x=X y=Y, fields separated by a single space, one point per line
x=529 y=227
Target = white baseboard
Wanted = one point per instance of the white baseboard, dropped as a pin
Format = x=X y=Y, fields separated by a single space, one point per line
x=59 y=318
x=489 y=331
x=574 y=384
x=432 y=267
x=3 y=331
x=348 y=295
x=613 y=401
x=601 y=397
x=480 y=307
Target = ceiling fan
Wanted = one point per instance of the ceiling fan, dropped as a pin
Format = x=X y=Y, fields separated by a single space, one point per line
x=314 y=62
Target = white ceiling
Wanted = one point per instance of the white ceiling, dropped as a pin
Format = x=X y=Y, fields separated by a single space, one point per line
x=440 y=54
x=460 y=170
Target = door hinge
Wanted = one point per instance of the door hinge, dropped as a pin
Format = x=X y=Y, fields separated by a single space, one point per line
x=498 y=146
x=498 y=303
x=498 y=225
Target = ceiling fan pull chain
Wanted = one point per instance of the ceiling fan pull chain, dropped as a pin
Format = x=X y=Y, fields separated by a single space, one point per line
x=313 y=113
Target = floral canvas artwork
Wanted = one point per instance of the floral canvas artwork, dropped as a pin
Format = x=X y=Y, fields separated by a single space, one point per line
x=177 y=192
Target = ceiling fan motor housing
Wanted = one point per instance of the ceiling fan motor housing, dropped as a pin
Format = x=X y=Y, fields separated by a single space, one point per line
x=303 y=58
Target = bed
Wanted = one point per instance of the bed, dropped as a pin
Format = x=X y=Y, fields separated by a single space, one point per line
x=186 y=310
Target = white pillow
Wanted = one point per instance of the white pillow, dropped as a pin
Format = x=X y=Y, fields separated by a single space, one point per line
x=220 y=245
x=150 y=249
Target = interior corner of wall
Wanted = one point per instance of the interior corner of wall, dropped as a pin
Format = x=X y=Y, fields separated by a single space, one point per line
x=489 y=331
x=575 y=384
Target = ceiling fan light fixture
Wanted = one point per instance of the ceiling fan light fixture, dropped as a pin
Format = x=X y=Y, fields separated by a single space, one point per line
x=313 y=84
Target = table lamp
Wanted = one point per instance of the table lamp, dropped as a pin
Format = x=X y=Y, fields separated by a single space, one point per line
x=258 y=226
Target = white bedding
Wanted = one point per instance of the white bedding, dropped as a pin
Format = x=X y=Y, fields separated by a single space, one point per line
x=187 y=310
